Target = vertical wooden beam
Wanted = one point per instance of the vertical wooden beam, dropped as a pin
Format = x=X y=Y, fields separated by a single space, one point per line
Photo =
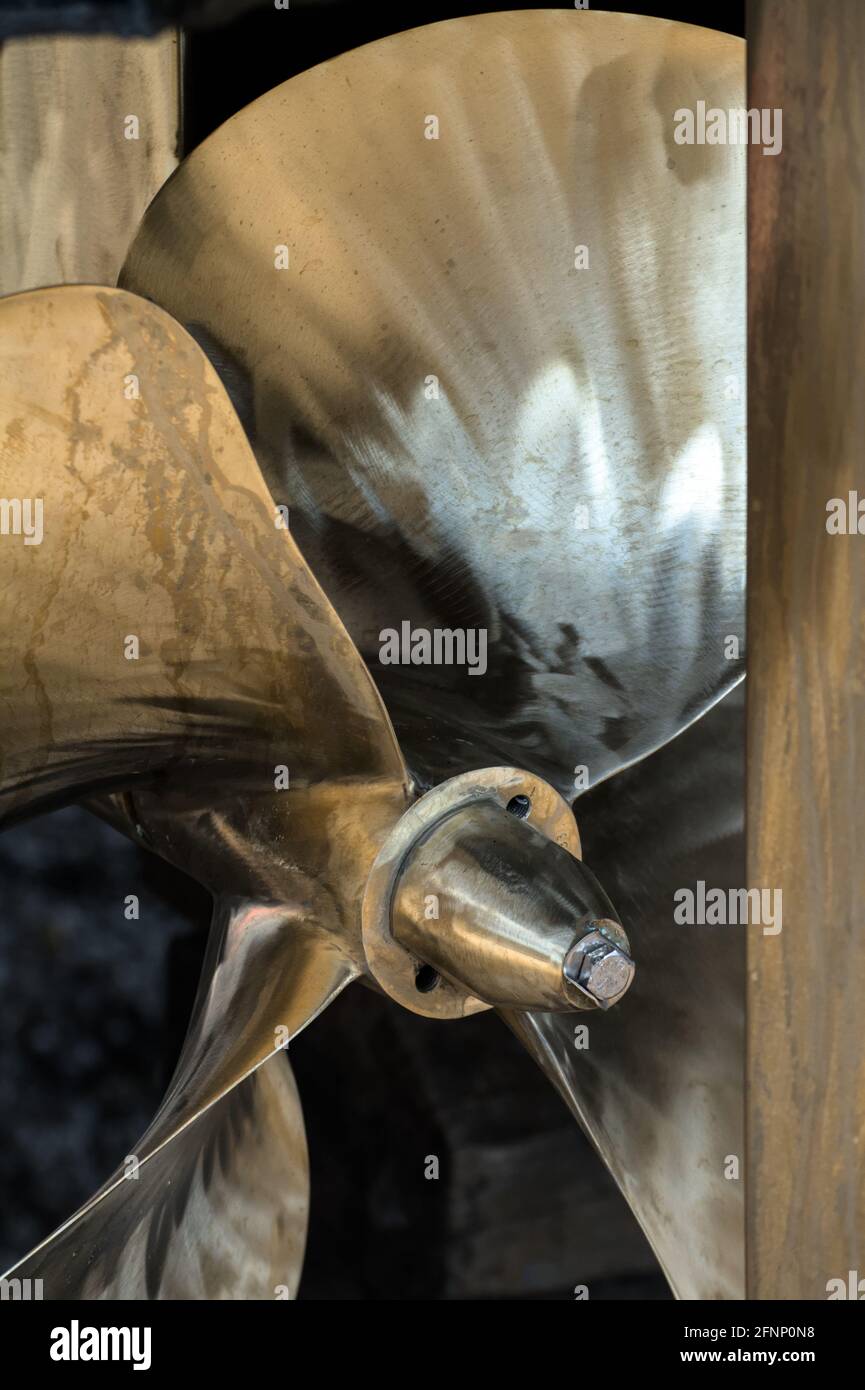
x=806 y=651
x=73 y=186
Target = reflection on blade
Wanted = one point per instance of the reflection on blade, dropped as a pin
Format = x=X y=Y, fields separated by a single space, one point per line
x=659 y=1086
x=483 y=319
x=265 y=977
x=220 y=1213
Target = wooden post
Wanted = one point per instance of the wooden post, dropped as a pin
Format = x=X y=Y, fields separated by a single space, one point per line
x=806 y=652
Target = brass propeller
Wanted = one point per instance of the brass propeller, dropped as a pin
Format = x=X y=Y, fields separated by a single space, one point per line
x=172 y=660
x=482 y=321
x=500 y=382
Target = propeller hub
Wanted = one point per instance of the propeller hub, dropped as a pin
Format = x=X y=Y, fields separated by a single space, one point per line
x=472 y=904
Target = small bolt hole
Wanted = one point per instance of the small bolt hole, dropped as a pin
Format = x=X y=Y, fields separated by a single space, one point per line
x=425 y=979
x=519 y=806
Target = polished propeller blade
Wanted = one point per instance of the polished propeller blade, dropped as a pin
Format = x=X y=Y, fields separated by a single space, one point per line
x=483 y=319
x=221 y=1213
x=167 y=651
x=658 y=1085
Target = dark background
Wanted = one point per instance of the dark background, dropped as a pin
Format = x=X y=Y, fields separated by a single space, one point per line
x=229 y=66
x=95 y=1006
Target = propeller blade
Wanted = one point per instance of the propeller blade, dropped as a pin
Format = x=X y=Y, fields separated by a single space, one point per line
x=265 y=977
x=659 y=1087
x=160 y=622
x=167 y=650
x=483 y=318
x=220 y=1213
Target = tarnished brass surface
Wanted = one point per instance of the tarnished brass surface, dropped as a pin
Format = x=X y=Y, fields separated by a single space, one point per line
x=472 y=431
x=158 y=527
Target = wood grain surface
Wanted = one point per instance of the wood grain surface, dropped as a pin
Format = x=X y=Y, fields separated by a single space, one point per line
x=806 y=697
x=73 y=187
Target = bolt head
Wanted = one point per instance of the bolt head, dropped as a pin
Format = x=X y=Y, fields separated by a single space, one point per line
x=599 y=967
x=606 y=972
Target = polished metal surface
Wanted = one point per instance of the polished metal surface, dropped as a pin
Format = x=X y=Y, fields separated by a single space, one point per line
x=220 y=1213
x=659 y=1087
x=599 y=964
x=394 y=968
x=500 y=381
x=491 y=903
